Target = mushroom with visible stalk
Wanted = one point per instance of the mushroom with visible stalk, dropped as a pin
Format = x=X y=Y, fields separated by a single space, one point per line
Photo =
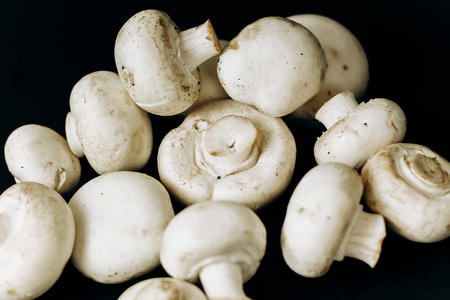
x=120 y=218
x=162 y=288
x=106 y=126
x=347 y=64
x=325 y=222
x=409 y=185
x=273 y=64
x=356 y=131
x=226 y=150
x=158 y=63
x=37 y=232
x=220 y=242
x=40 y=154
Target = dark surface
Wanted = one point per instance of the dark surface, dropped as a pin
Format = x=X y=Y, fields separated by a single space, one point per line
x=48 y=46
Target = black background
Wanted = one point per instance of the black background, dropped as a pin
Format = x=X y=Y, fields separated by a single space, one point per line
x=47 y=46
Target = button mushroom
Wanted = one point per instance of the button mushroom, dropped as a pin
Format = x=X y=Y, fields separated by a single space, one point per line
x=120 y=218
x=409 y=185
x=355 y=132
x=325 y=222
x=226 y=150
x=107 y=126
x=162 y=288
x=40 y=154
x=37 y=233
x=220 y=242
x=158 y=64
x=347 y=65
x=273 y=64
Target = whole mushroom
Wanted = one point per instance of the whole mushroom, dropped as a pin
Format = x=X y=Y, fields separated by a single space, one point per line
x=120 y=218
x=409 y=185
x=163 y=288
x=347 y=64
x=226 y=150
x=325 y=222
x=356 y=131
x=106 y=126
x=37 y=234
x=273 y=64
x=158 y=63
x=40 y=154
x=220 y=242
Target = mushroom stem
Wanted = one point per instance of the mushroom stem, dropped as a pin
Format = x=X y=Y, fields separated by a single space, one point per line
x=198 y=44
x=72 y=137
x=223 y=280
x=364 y=239
x=336 y=108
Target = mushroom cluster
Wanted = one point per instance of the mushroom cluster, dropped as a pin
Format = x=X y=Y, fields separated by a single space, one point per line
x=230 y=157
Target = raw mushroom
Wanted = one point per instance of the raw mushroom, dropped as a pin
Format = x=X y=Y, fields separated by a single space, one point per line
x=226 y=150
x=347 y=65
x=273 y=64
x=409 y=185
x=325 y=222
x=120 y=218
x=40 y=154
x=220 y=242
x=37 y=234
x=356 y=131
x=162 y=288
x=158 y=63
x=107 y=126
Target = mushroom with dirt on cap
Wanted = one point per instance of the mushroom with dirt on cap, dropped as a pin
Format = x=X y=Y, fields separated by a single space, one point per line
x=220 y=242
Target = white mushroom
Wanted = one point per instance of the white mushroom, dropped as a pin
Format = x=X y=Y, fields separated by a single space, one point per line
x=162 y=288
x=347 y=65
x=120 y=218
x=409 y=185
x=158 y=64
x=37 y=233
x=107 y=126
x=220 y=242
x=226 y=150
x=273 y=64
x=325 y=222
x=356 y=131
x=38 y=153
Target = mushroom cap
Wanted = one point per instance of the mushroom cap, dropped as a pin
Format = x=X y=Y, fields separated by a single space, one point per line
x=162 y=288
x=115 y=134
x=38 y=153
x=319 y=215
x=181 y=166
x=210 y=232
x=273 y=64
x=347 y=64
x=37 y=234
x=356 y=136
x=148 y=62
x=409 y=185
x=120 y=218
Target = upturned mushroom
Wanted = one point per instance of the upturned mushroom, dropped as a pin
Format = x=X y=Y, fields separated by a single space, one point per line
x=325 y=222
x=37 y=233
x=347 y=64
x=120 y=218
x=226 y=150
x=163 y=288
x=40 y=154
x=409 y=185
x=106 y=126
x=274 y=64
x=356 y=131
x=158 y=63
x=221 y=243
